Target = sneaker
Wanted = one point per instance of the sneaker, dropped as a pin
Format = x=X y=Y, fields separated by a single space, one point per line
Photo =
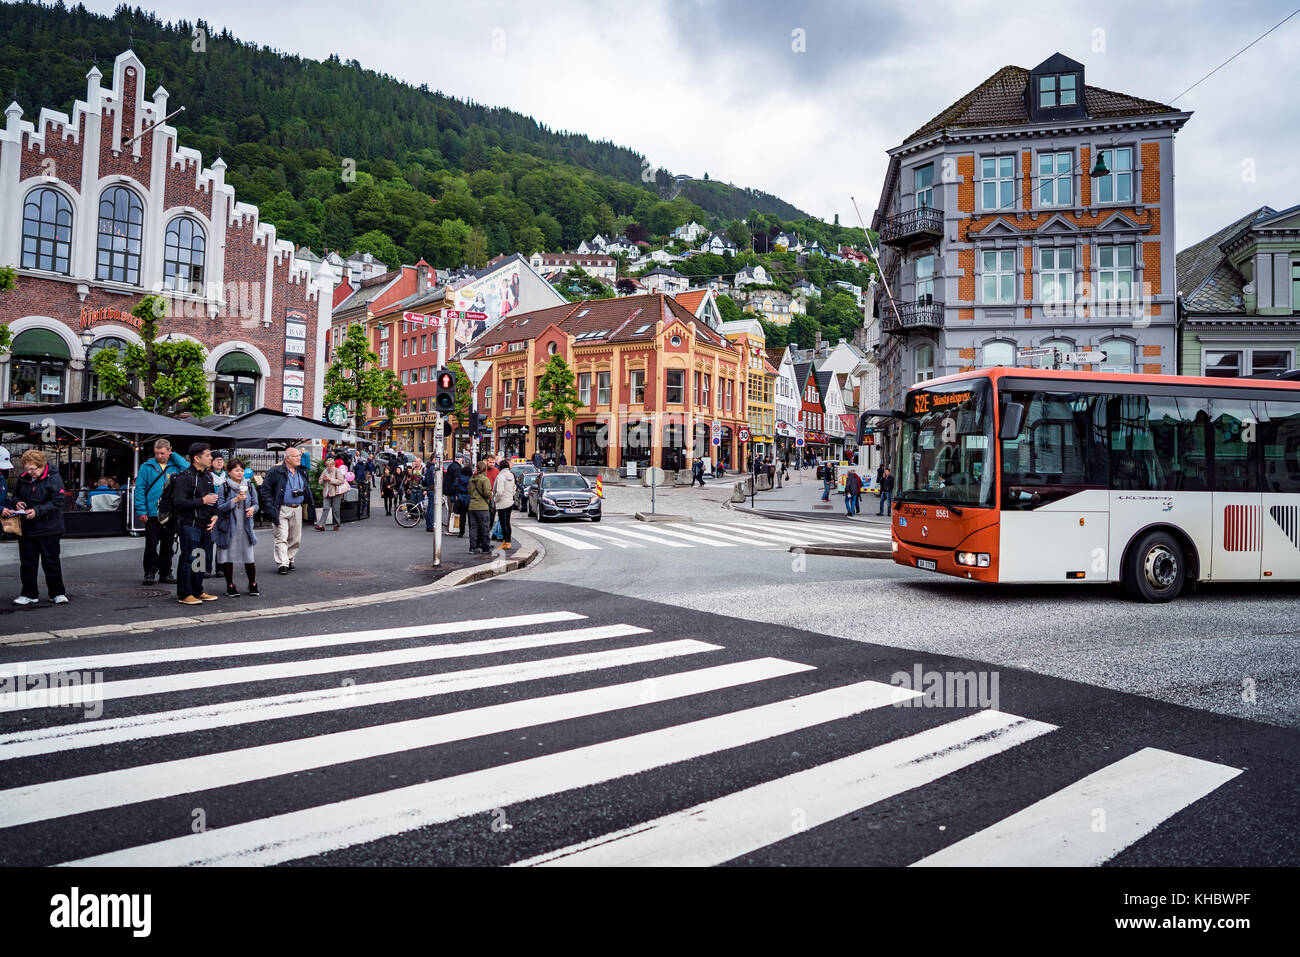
x=148 y=580
x=190 y=600
x=320 y=528
x=291 y=564
x=253 y=592
x=206 y=597
x=505 y=546
x=284 y=569
x=60 y=599
x=24 y=600
x=232 y=591
x=168 y=580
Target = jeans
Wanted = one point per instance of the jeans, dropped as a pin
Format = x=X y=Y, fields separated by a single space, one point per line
x=850 y=504
x=428 y=509
x=34 y=550
x=826 y=490
x=886 y=503
x=196 y=560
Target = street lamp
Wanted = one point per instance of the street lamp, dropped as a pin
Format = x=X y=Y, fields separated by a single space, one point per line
x=87 y=340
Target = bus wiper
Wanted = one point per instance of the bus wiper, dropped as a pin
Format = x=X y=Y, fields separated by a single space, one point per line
x=933 y=500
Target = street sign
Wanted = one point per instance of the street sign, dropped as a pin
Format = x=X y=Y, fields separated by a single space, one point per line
x=743 y=435
x=462 y=314
x=422 y=319
x=475 y=369
x=1083 y=357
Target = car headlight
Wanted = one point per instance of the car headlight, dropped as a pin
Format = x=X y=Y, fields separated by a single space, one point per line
x=547 y=500
x=976 y=559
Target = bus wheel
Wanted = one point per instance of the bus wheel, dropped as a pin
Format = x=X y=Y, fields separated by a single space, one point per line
x=1156 y=568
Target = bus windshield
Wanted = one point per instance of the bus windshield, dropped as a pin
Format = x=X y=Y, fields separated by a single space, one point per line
x=946 y=446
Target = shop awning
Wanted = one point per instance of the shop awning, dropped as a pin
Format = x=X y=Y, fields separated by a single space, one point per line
x=377 y=423
x=238 y=363
x=42 y=343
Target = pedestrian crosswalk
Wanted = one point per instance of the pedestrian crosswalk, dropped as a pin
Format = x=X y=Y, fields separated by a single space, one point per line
x=385 y=716
x=768 y=535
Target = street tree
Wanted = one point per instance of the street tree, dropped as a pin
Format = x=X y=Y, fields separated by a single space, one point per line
x=354 y=379
x=8 y=279
x=557 y=397
x=170 y=371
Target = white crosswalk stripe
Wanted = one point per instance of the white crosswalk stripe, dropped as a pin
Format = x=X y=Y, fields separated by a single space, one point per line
x=160 y=750
x=712 y=535
x=553 y=536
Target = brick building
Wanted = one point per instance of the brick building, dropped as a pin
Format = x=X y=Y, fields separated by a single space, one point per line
x=103 y=207
x=997 y=238
x=657 y=384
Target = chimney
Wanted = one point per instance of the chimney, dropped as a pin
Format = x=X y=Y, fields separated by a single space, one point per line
x=422 y=277
x=818 y=347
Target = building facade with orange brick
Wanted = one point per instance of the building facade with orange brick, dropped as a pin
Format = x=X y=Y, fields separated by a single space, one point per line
x=656 y=384
x=103 y=206
x=996 y=238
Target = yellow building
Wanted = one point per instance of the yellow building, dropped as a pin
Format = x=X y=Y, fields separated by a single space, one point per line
x=760 y=392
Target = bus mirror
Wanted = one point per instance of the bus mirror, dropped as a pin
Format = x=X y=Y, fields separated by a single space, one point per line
x=1013 y=416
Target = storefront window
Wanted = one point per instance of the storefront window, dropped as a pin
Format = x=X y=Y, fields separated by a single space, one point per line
x=638 y=440
x=235 y=391
x=592 y=440
x=674 y=452
x=38 y=370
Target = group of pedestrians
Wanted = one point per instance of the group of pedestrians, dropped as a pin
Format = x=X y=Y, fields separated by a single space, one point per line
x=483 y=498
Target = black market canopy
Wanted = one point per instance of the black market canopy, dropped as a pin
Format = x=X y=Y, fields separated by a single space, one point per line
x=106 y=418
x=270 y=427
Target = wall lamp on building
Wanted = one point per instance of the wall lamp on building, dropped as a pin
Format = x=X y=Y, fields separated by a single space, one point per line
x=87 y=339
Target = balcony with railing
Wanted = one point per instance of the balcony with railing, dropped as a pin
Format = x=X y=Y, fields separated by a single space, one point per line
x=913 y=226
x=924 y=313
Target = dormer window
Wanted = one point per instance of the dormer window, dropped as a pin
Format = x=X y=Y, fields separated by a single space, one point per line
x=1057 y=90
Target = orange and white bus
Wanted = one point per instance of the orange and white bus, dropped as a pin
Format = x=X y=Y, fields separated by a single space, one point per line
x=1155 y=482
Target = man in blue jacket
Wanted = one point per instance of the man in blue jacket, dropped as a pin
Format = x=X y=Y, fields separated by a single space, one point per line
x=158 y=538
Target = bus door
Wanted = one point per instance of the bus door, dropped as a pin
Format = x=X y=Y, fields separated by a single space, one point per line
x=1279 y=442
x=1237 y=540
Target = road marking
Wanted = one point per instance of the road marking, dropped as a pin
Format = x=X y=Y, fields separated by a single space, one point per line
x=562 y=539
x=1136 y=794
x=65 y=737
x=745 y=821
x=110 y=789
x=802 y=534
x=645 y=536
x=316 y=830
x=189 y=680
x=197 y=652
x=661 y=529
x=605 y=536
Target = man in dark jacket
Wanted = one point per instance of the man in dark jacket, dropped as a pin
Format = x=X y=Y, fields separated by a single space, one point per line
x=194 y=510
x=38 y=496
x=538 y=460
x=448 y=488
x=886 y=493
x=286 y=496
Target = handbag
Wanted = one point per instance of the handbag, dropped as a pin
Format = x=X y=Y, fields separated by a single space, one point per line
x=13 y=524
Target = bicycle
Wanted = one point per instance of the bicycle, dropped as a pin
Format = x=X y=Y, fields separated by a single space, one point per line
x=409 y=514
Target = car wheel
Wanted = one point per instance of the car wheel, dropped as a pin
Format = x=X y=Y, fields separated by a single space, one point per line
x=1156 y=568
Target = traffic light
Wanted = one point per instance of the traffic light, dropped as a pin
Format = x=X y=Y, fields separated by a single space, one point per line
x=475 y=423
x=446 y=400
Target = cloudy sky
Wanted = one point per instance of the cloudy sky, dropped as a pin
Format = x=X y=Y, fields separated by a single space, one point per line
x=802 y=100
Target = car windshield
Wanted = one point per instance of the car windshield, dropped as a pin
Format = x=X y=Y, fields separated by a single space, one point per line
x=529 y=478
x=946 y=445
x=568 y=481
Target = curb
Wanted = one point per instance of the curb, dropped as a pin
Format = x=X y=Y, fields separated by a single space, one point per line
x=843 y=551
x=661 y=517
x=463 y=576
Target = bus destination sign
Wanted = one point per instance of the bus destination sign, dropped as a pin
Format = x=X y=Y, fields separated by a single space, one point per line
x=921 y=403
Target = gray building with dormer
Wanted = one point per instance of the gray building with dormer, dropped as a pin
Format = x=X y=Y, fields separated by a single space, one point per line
x=996 y=237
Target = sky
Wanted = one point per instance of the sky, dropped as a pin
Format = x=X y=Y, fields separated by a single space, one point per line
x=803 y=100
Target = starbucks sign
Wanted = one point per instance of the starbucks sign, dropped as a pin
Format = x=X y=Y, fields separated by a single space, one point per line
x=337 y=414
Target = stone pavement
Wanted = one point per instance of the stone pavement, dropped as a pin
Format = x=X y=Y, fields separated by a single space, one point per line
x=801 y=498
x=361 y=562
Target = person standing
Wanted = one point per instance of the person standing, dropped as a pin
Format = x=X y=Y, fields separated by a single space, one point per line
x=235 y=538
x=38 y=497
x=288 y=500
x=218 y=468
x=852 y=491
x=503 y=498
x=159 y=538
x=334 y=485
x=461 y=489
x=432 y=489
x=825 y=472
x=886 y=493
x=492 y=472
x=388 y=489
x=194 y=509
x=480 y=504
x=538 y=460
x=6 y=464
x=361 y=474
x=697 y=472
x=446 y=488
x=560 y=460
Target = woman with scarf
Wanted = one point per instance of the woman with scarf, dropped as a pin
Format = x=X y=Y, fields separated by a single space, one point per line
x=333 y=484
x=236 y=506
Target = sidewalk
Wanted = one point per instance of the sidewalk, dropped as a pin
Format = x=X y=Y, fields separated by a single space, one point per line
x=801 y=498
x=103 y=576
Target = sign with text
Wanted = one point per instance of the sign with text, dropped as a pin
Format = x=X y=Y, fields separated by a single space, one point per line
x=295 y=361
x=922 y=402
x=424 y=319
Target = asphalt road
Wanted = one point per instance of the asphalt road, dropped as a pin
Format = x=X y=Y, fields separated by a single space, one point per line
x=628 y=724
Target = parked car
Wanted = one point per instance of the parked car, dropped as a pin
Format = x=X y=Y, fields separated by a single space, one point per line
x=524 y=480
x=563 y=495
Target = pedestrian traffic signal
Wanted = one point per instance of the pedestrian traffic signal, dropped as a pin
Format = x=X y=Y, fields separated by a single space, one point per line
x=446 y=400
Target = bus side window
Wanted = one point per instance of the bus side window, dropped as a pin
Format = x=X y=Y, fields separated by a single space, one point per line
x=1279 y=439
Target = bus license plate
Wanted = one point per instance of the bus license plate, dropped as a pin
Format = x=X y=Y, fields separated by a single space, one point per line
x=927 y=564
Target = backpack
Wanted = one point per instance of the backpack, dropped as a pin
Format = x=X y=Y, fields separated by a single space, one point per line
x=165 y=499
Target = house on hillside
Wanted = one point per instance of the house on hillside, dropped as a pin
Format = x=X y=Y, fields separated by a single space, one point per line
x=752 y=276
x=665 y=280
x=690 y=232
x=720 y=244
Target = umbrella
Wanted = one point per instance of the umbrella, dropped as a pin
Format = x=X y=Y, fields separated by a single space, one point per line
x=269 y=426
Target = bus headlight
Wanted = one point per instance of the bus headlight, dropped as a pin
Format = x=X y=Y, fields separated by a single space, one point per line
x=980 y=559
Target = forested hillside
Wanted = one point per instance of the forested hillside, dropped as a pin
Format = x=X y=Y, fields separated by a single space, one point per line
x=343 y=157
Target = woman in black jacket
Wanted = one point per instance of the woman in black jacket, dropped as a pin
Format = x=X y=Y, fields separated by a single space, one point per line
x=388 y=489
x=38 y=497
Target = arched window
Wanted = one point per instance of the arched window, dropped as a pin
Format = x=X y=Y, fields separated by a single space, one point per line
x=47 y=230
x=116 y=345
x=235 y=390
x=1060 y=345
x=121 y=226
x=924 y=362
x=38 y=367
x=183 y=256
x=999 y=354
x=1119 y=355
